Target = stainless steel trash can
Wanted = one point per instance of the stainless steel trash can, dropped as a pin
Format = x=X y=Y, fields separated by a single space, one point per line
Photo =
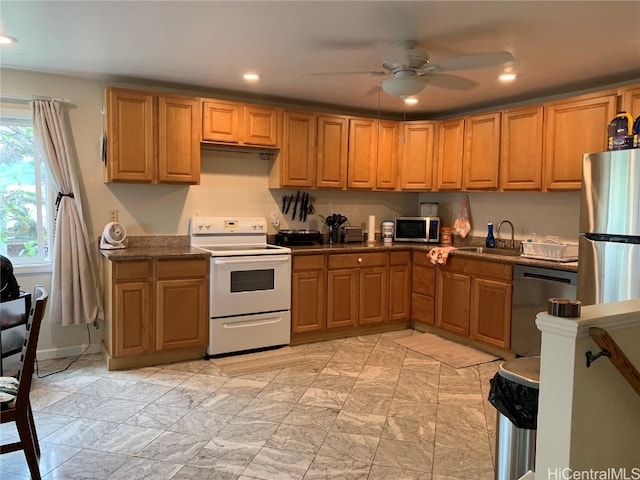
x=514 y=393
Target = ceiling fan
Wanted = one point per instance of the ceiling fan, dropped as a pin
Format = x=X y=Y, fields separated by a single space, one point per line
x=412 y=69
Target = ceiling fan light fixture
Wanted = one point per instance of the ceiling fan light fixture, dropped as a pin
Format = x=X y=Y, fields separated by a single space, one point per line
x=410 y=100
x=251 y=77
x=507 y=77
x=404 y=85
x=7 y=39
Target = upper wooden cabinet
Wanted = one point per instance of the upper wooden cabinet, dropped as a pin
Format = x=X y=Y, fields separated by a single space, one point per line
x=232 y=123
x=152 y=138
x=387 y=155
x=363 y=146
x=295 y=165
x=574 y=127
x=481 y=157
x=416 y=166
x=521 y=149
x=332 y=151
x=630 y=100
x=450 y=151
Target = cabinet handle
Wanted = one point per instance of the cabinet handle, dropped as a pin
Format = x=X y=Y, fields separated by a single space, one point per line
x=359 y=259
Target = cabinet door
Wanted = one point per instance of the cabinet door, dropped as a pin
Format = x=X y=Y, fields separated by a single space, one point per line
x=374 y=294
x=181 y=313
x=260 y=126
x=342 y=298
x=423 y=287
x=452 y=301
x=363 y=143
x=450 y=150
x=132 y=322
x=521 y=149
x=399 y=286
x=416 y=168
x=178 y=140
x=387 y=155
x=298 y=162
x=131 y=136
x=631 y=100
x=221 y=121
x=308 y=294
x=333 y=145
x=491 y=312
x=572 y=128
x=481 y=158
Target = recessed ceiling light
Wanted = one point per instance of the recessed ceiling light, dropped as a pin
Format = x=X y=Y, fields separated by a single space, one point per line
x=7 y=39
x=411 y=100
x=251 y=77
x=507 y=77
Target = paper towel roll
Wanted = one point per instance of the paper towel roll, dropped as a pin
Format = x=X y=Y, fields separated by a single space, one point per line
x=371 y=231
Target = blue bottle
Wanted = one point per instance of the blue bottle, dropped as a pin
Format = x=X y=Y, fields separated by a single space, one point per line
x=491 y=241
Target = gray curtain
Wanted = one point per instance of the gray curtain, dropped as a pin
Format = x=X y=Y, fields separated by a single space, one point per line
x=76 y=298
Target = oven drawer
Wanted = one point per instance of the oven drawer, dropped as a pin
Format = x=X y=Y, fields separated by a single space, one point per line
x=249 y=332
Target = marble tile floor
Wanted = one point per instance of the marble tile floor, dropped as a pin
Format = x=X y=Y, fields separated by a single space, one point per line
x=364 y=408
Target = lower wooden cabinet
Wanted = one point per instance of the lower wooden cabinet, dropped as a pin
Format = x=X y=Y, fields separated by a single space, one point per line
x=423 y=288
x=154 y=307
x=473 y=299
x=357 y=289
x=399 y=286
x=308 y=293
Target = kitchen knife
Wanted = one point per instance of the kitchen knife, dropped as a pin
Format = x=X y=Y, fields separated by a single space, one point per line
x=306 y=208
x=284 y=204
x=289 y=204
x=295 y=206
x=303 y=205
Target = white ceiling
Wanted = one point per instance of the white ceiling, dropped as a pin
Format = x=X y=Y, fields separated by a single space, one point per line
x=557 y=46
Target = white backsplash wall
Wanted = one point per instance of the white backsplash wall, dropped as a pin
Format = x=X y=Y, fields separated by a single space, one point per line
x=551 y=213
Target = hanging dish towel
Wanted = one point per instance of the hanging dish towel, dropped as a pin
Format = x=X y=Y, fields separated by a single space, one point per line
x=439 y=255
x=462 y=225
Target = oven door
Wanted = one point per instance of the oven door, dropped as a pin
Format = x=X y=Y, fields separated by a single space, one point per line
x=242 y=285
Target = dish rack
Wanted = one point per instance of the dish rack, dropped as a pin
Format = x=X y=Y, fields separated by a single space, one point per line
x=550 y=249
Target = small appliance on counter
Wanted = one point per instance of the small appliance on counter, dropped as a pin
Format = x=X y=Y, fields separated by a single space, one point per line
x=113 y=236
x=352 y=235
x=290 y=238
x=417 y=229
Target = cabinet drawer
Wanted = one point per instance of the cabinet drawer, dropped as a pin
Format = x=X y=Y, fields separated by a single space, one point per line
x=129 y=270
x=424 y=280
x=479 y=268
x=183 y=268
x=308 y=262
x=420 y=258
x=399 y=258
x=352 y=260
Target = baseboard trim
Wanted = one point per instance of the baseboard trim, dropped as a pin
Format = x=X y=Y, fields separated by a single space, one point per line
x=73 y=351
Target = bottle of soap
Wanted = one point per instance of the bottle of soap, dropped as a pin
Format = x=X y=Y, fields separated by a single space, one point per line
x=491 y=241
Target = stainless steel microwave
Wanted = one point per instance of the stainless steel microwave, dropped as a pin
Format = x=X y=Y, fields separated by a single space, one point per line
x=417 y=229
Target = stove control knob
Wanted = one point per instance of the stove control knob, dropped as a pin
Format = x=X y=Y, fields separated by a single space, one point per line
x=261 y=226
x=208 y=225
x=199 y=226
x=254 y=226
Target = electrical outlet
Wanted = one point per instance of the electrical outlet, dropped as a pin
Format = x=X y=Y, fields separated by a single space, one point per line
x=113 y=215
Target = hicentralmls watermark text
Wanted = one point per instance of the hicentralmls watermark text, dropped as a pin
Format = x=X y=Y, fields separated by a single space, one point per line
x=591 y=474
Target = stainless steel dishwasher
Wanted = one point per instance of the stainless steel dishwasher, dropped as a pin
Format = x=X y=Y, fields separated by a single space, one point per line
x=532 y=287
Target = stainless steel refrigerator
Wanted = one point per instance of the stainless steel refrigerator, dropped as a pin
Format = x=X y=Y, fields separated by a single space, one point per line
x=609 y=251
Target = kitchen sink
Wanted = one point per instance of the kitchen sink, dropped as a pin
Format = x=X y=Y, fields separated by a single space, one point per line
x=507 y=252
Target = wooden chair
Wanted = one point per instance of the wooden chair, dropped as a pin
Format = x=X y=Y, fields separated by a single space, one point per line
x=19 y=410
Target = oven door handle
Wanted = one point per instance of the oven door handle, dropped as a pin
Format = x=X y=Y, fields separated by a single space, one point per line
x=253 y=260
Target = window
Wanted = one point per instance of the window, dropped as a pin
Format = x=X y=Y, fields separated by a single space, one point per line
x=25 y=203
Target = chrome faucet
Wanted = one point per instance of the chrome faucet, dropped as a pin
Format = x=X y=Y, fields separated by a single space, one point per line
x=502 y=242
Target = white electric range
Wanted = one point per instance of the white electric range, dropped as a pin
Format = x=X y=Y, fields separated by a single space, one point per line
x=250 y=284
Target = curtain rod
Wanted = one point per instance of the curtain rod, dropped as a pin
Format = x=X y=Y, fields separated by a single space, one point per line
x=27 y=99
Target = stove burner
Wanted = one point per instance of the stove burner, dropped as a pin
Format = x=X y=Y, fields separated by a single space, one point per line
x=298 y=237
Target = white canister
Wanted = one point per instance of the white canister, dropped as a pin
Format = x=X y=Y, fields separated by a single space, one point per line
x=387 y=231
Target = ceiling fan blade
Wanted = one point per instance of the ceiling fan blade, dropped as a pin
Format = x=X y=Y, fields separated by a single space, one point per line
x=478 y=60
x=453 y=82
x=374 y=73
